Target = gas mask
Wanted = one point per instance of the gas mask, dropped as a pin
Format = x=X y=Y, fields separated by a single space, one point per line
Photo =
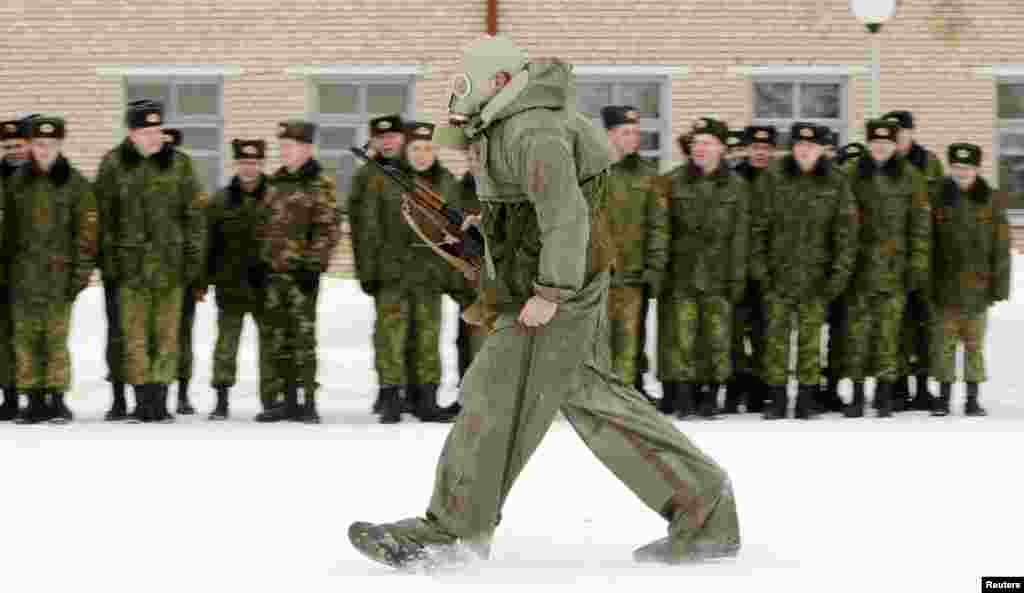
x=481 y=61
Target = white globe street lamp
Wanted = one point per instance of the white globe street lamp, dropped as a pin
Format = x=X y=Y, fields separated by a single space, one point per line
x=873 y=14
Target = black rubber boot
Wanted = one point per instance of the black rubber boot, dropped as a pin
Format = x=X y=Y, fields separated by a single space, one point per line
x=806 y=407
x=685 y=399
x=707 y=407
x=778 y=402
x=756 y=395
x=308 y=413
x=36 y=411
x=922 y=397
x=59 y=412
x=667 y=403
x=735 y=392
x=390 y=404
x=159 y=401
x=9 y=408
x=972 y=407
x=184 y=405
x=883 y=397
x=829 y=399
x=855 y=409
x=427 y=409
x=940 y=405
x=900 y=399
x=220 y=411
x=289 y=410
x=119 y=408
x=143 y=411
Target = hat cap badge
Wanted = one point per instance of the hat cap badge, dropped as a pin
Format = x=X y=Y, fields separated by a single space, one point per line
x=423 y=130
x=46 y=128
x=153 y=118
x=762 y=135
x=384 y=125
x=250 y=149
x=884 y=132
x=807 y=133
x=963 y=153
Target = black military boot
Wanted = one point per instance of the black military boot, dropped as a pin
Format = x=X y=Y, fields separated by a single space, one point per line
x=36 y=411
x=409 y=397
x=390 y=404
x=940 y=405
x=667 y=403
x=855 y=409
x=922 y=397
x=268 y=401
x=735 y=391
x=119 y=408
x=289 y=410
x=59 y=412
x=972 y=407
x=220 y=411
x=9 y=409
x=143 y=411
x=452 y=411
x=308 y=413
x=375 y=409
x=900 y=400
x=184 y=405
x=777 y=403
x=159 y=402
x=427 y=409
x=755 y=395
x=685 y=399
x=829 y=397
x=883 y=396
x=806 y=408
x=707 y=406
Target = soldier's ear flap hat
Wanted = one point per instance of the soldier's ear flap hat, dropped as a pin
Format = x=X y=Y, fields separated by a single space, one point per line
x=736 y=139
x=298 y=130
x=386 y=124
x=248 y=149
x=881 y=129
x=172 y=136
x=12 y=129
x=714 y=127
x=614 y=116
x=761 y=134
x=963 y=153
x=419 y=131
x=904 y=119
x=807 y=132
x=48 y=127
x=144 y=113
x=851 y=151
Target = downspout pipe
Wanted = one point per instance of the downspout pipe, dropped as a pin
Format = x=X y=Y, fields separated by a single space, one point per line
x=492 y=17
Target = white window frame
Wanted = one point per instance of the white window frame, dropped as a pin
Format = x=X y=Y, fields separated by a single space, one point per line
x=616 y=75
x=1005 y=126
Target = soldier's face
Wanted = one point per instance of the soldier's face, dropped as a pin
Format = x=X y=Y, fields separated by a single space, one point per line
x=761 y=155
x=807 y=154
x=420 y=154
x=625 y=138
x=904 y=140
x=707 y=151
x=294 y=154
x=882 y=150
x=16 y=150
x=249 y=169
x=389 y=145
x=44 y=151
x=147 y=140
x=965 y=175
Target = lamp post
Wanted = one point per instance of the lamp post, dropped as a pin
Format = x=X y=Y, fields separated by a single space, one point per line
x=873 y=14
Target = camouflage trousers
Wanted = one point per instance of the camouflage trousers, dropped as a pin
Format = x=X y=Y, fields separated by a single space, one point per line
x=874 y=335
x=407 y=337
x=188 y=320
x=6 y=339
x=150 y=319
x=115 y=340
x=700 y=335
x=41 y=354
x=916 y=337
x=624 y=312
x=230 y=319
x=291 y=346
x=517 y=384
x=953 y=326
x=784 y=316
x=748 y=333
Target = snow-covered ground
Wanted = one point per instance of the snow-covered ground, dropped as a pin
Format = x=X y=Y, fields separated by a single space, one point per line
x=829 y=505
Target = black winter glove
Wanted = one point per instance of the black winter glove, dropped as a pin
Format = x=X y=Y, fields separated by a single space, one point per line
x=258 y=275
x=306 y=280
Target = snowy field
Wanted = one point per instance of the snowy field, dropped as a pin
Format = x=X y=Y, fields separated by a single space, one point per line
x=828 y=505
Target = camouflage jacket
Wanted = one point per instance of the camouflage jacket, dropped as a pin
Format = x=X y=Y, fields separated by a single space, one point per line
x=392 y=254
x=54 y=240
x=151 y=217
x=710 y=233
x=298 y=227
x=893 y=255
x=971 y=247
x=927 y=164
x=805 y=237
x=6 y=171
x=465 y=197
x=543 y=186
x=368 y=186
x=231 y=219
x=638 y=221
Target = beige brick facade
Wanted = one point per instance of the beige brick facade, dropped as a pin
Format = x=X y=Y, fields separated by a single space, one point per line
x=938 y=55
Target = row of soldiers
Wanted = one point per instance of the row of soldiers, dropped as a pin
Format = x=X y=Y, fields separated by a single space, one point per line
x=145 y=222
x=743 y=249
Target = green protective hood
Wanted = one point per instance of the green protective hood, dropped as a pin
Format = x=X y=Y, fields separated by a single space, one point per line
x=545 y=83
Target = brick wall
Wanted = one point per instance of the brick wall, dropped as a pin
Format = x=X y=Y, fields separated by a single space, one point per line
x=932 y=53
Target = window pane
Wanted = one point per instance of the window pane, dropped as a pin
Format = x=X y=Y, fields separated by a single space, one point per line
x=642 y=96
x=338 y=98
x=1011 y=144
x=331 y=138
x=650 y=140
x=200 y=139
x=1011 y=101
x=209 y=171
x=819 y=101
x=198 y=98
x=591 y=97
x=154 y=91
x=385 y=98
x=1011 y=179
x=773 y=99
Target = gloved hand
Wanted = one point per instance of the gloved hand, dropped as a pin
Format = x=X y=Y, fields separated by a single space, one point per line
x=306 y=280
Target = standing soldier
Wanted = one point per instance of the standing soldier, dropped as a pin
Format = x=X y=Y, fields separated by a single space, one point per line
x=892 y=260
x=150 y=206
x=233 y=252
x=972 y=272
x=709 y=217
x=748 y=325
x=368 y=187
x=806 y=239
x=53 y=254
x=917 y=324
x=638 y=218
x=298 y=231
